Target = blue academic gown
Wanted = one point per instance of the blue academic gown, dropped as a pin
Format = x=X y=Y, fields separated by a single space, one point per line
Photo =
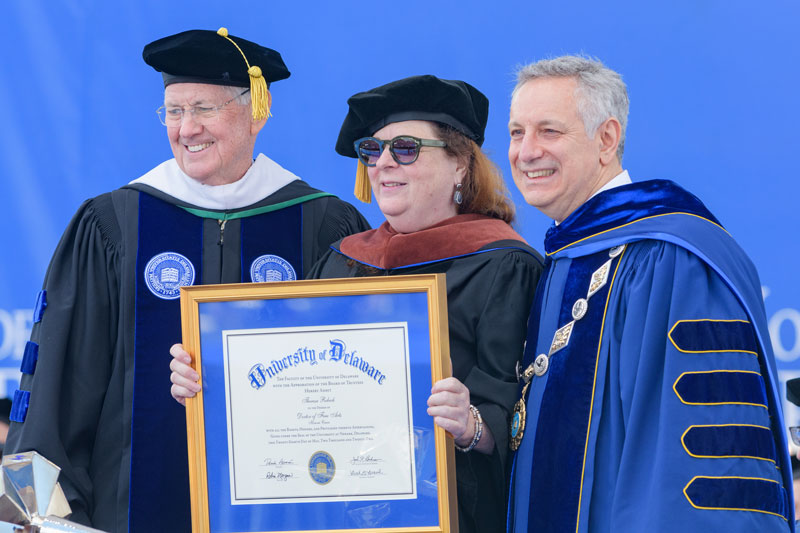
x=657 y=408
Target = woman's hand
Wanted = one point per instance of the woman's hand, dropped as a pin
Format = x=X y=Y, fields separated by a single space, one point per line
x=183 y=377
x=448 y=404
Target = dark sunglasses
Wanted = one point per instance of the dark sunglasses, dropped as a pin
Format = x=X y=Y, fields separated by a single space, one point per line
x=404 y=148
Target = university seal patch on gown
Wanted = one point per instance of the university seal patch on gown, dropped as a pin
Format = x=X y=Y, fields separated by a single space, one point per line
x=270 y=267
x=166 y=273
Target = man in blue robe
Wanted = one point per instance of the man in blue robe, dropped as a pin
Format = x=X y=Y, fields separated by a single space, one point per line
x=648 y=386
x=94 y=397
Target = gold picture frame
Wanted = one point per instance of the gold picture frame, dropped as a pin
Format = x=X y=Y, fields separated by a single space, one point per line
x=218 y=319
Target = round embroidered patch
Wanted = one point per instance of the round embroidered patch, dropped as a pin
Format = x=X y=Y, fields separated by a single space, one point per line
x=166 y=273
x=271 y=268
x=321 y=468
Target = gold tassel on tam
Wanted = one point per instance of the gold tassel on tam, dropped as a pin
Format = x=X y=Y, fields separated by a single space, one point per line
x=259 y=94
x=363 y=191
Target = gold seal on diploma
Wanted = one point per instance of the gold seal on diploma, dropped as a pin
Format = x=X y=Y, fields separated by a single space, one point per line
x=321 y=468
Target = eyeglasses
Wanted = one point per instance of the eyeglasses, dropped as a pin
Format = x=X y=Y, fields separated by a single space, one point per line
x=173 y=115
x=404 y=148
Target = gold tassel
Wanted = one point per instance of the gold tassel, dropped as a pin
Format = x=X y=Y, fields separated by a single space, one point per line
x=363 y=190
x=259 y=94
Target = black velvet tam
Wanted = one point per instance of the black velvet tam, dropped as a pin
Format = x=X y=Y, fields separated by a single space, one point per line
x=452 y=102
x=203 y=56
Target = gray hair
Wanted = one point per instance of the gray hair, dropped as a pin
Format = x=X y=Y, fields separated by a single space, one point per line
x=236 y=92
x=601 y=93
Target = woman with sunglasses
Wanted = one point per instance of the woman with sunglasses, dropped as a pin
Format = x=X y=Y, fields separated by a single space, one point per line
x=446 y=207
x=417 y=141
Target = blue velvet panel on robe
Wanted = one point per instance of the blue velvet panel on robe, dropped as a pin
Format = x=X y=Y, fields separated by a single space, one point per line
x=730 y=440
x=721 y=387
x=29 y=358
x=159 y=479
x=158 y=447
x=704 y=336
x=624 y=205
x=736 y=494
x=283 y=230
x=558 y=464
x=19 y=405
x=38 y=308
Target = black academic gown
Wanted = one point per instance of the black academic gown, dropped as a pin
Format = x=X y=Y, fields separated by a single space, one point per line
x=489 y=295
x=96 y=399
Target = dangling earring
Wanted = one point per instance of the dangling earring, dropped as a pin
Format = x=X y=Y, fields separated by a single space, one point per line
x=457 y=197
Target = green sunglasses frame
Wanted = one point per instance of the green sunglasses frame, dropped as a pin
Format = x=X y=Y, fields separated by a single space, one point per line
x=381 y=143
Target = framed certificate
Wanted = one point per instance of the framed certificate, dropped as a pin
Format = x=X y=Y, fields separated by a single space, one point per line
x=312 y=416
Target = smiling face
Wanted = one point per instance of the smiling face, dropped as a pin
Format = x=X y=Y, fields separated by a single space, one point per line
x=416 y=196
x=555 y=165
x=216 y=152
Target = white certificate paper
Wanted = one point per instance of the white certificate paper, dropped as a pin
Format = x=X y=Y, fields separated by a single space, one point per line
x=319 y=413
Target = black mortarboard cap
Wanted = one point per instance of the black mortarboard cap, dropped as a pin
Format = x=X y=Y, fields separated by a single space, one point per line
x=203 y=56
x=452 y=102
x=455 y=103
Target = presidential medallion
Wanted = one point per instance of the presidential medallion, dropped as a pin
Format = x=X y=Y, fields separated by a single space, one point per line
x=517 y=428
x=518 y=422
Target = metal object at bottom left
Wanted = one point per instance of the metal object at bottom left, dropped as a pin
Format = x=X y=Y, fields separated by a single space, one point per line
x=31 y=500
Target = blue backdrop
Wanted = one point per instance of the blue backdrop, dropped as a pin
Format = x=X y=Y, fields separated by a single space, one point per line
x=713 y=88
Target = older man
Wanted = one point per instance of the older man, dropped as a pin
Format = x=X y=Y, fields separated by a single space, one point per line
x=97 y=401
x=648 y=398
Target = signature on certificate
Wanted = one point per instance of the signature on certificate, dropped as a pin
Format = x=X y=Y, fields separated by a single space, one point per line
x=365 y=459
x=367 y=472
x=278 y=476
x=269 y=461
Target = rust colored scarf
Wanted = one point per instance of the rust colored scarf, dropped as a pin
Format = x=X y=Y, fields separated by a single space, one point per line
x=460 y=235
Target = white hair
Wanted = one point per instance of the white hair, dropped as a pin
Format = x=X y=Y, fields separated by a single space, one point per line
x=601 y=93
x=236 y=92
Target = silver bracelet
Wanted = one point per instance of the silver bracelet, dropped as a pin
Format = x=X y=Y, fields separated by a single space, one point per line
x=476 y=416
